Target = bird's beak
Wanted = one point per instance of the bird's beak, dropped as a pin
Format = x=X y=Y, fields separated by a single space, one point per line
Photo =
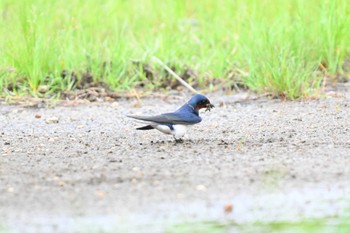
x=209 y=106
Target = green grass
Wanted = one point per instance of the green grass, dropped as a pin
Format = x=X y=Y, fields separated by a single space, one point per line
x=305 y=226
x=272 y=46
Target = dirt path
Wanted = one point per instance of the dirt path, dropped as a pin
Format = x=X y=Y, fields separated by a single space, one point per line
x=269 y=160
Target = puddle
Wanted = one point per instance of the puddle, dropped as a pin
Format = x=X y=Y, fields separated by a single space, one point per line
x=263 y=210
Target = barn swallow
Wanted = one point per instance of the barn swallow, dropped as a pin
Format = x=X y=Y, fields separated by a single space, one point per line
x=176 y=123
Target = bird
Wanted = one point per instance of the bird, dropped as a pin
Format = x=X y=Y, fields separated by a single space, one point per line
x=176 y=123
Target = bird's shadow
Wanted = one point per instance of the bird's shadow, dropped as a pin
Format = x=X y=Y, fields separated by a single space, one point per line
x=179 y=142
x=174 y=142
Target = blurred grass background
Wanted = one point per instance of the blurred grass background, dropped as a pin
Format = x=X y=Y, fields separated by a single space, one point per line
x=331 y=225
x=286 y=48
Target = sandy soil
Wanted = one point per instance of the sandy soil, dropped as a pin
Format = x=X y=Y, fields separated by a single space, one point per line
x=249 y=160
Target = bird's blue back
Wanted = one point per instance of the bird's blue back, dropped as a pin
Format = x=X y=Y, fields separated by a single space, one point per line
x=187 y=114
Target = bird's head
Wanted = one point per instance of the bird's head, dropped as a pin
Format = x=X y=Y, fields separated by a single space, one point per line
x=199 y=101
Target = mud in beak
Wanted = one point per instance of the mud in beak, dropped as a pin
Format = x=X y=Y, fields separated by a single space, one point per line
x=209 y=106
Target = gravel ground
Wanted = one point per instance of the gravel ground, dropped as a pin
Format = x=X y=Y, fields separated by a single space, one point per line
x=85 y=168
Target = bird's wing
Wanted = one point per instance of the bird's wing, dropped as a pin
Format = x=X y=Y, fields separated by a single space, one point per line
x=171 y=118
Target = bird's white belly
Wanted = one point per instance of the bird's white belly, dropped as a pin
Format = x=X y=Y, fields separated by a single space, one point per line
x=178 y=130
x=163 y=128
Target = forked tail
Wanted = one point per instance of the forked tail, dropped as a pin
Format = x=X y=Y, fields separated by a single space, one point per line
x=147 y=127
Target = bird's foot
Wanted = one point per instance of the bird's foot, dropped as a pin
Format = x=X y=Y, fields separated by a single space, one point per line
x=179 y=140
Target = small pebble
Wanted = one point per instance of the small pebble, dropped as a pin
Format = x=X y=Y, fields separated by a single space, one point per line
x=228 y=208
x=201 y=187
x=43 y=89
x=52 y=120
